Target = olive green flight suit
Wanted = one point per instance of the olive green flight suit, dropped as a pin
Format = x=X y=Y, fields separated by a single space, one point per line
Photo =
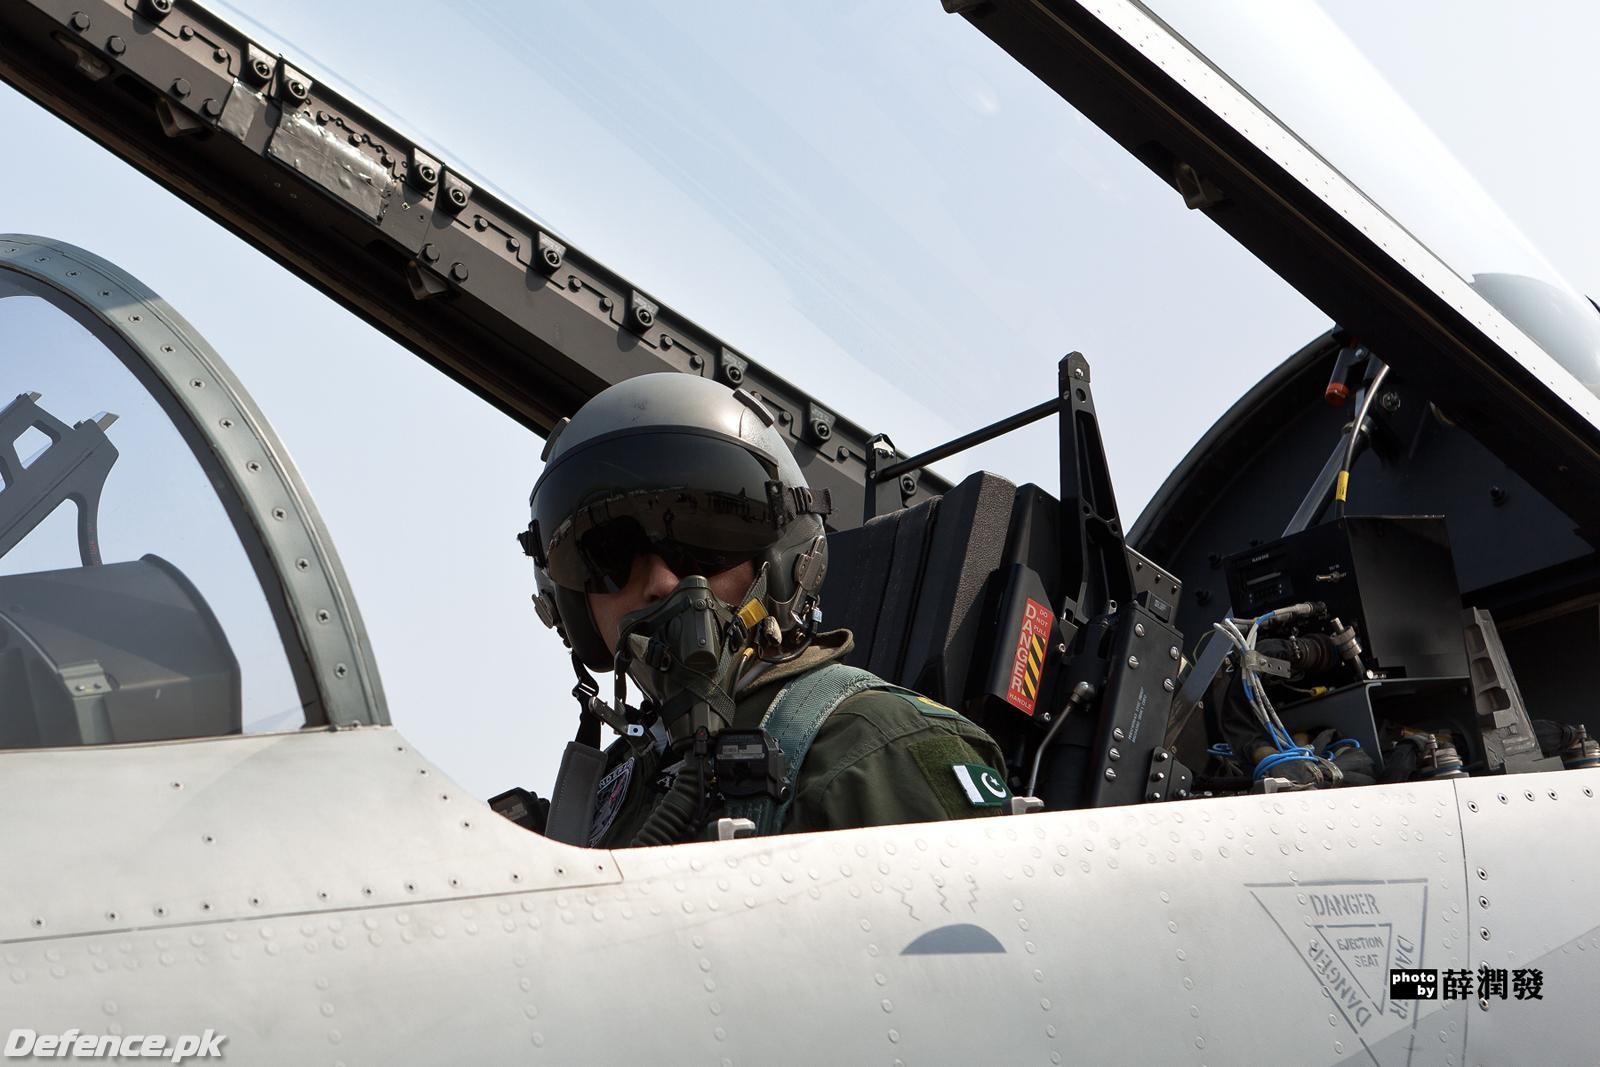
x=881 y=757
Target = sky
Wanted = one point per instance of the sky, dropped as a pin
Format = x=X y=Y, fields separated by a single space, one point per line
x=869 y=198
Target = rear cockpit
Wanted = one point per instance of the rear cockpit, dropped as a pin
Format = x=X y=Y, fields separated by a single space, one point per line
x=162 y=574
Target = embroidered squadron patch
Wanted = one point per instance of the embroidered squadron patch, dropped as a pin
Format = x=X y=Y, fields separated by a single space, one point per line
x=668 y=778
x=985 y=787
x=608 y=797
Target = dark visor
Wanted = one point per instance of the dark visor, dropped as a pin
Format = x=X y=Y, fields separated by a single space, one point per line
x=698 y=501
x=693 y=531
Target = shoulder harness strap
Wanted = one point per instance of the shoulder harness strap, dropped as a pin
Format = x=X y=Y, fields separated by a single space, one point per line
x=793 y=720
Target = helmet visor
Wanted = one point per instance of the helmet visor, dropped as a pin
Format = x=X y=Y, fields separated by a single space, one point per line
x=700 y=503
x=693 y=531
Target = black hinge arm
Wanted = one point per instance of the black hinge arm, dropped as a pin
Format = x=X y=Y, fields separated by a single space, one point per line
x=1095 y=573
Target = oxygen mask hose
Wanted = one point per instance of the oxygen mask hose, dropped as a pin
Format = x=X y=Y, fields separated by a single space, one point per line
x=673 y=819
x=685 y=651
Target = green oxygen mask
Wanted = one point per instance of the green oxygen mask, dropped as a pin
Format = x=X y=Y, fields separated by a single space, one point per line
x=686 y=651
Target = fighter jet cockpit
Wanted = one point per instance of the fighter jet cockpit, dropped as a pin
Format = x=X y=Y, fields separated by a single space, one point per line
x=1369 y=569
x=143 y=517
x=1458 y=360
x=1170 y=403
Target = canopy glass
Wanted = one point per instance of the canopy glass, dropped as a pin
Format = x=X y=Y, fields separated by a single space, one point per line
x=129 y=607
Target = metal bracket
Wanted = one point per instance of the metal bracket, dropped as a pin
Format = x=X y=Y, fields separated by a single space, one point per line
x=1134 y=706
x=551 y=253
x=424 y=282
x=880 y=451
x=423 y=170
x=1508 y=737
x=641 y=313
x=819 y=423
x=1255 y=661
x=294 y=86
x=1169 y=779
x=1198 y=191
x=259 y=64
x=1094 y=558
x=456 y=193
x=732 y=367
x=176 y=122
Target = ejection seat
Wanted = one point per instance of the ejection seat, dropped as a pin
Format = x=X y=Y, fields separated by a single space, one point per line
x=105 y=652
x=924 y=589
x=957 y=597
x=913 y=586
x=112 y=653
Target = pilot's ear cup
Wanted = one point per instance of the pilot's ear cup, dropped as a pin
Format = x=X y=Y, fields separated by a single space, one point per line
x=785 y=574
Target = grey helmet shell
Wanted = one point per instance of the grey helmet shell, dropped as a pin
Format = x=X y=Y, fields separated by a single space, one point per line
x=657 y=431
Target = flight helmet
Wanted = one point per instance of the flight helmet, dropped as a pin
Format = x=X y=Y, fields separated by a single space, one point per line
x=684 y=467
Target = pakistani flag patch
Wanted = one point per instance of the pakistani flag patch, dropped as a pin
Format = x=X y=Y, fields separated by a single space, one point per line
x=985 y=787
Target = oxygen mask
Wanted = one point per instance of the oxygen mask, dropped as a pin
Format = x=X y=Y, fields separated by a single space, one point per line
x=685 y=652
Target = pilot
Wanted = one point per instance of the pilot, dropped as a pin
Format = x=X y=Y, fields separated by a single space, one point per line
x=677 y=544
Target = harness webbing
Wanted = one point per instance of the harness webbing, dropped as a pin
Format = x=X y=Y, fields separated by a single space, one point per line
x=793 y=721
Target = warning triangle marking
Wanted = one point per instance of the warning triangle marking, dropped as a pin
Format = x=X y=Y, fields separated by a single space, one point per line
x=1358 y=945
x=1349 y=934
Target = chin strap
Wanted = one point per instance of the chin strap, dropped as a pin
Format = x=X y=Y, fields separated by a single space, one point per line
x=587 y=694
x=592 y=711
x=582 y=763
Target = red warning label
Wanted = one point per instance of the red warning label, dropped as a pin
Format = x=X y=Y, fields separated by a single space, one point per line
x=1027 y=665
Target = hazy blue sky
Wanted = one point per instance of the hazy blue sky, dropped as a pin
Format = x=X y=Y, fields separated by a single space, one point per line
x=868 y=197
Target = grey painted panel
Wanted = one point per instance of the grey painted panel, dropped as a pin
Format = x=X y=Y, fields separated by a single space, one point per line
x=1159 y=934
x=1239 y=930
x=1533 y=874
x=122 y=837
